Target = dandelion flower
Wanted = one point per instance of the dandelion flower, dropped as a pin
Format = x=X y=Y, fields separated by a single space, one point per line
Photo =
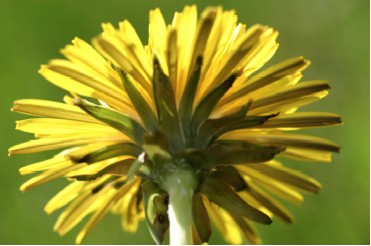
x=179 y=132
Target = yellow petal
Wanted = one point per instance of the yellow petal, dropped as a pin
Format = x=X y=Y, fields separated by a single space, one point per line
x=276 y=187
x=222 y=35
x=267 y=80
x=204 y=28
x=51 y=109
x=84 y=55
x=55 y=162
x=249 y=230
x=104 y=205
x=307 y=154
x=48 y=175
x=268 y=202
x=125 y=50
x=255 y=203
x=112 y=49
x=109 y=46
x=172 y=57
x=61 y=126
x=83 y=205
x=302 y=119
x=225 y=223
x=137 y=55
x=73 y=78
x=63 y=197
x=289 y=176
x=292 y=92
x=75 y=154
x=157 y=37
x=233 y=100
x=287 y=105
x=130 y=216
x=185 y=24
x=283 y=139
x=44 y=144
x=242 y=49
x=94 y=168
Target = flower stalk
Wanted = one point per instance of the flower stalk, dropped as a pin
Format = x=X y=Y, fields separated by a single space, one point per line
x=180 y=186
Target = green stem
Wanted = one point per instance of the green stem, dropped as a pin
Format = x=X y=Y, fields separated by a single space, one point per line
x=180 y=187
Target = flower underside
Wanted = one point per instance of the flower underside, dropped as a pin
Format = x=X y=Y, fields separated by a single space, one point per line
x=190 y=101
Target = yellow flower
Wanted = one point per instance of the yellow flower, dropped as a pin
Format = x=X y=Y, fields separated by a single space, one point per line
x=185 y=123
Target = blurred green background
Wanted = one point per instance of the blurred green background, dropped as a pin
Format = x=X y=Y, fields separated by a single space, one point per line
x=333 y=34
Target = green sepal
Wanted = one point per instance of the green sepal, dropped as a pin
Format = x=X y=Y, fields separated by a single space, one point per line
x=201 y=218
x=186 y=103
x=208 y=103
x=155 y=160
x=135 y=168
x=156 y=146
x=197 y=158
x=224 y=196
x=111 y=151
x=210 y=129
x=230 y=176
x=235 y=152
x=117 y=169
x=248 y=121
x=166 y=108
x=113 y=118
x=144 y=110
x=155 y=207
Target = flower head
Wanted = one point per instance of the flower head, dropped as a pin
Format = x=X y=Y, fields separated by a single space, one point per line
x=184 y=123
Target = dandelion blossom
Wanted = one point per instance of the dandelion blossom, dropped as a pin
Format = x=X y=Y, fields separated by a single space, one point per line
x=179 y=132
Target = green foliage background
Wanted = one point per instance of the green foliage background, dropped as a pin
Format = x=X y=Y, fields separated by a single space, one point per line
x=333 y=34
